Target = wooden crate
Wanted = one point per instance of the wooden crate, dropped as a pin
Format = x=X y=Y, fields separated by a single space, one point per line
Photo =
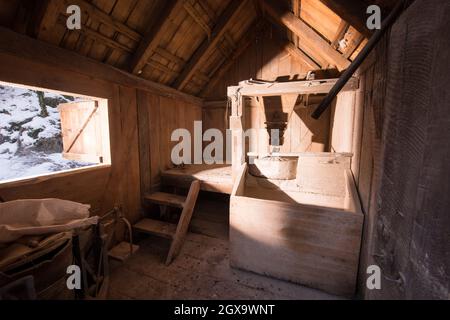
x=274 y=233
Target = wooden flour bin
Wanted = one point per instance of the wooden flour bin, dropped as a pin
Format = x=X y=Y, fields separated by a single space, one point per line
x=294 y=239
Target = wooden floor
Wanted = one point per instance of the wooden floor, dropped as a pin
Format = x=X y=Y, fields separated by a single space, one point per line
x=202 y=269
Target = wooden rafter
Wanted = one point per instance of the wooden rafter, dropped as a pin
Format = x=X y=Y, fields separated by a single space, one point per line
x=97 y=14
x=97 y=36
x=226 y=46
x=295 y=52
x=353 y=45
x=241 y=46
x=48 y=17
x=197 y=12
x=151 y=40
x=307 y=35
x=342 y=29
x=205 y=48
x=352 y=11
x=296 y=8
x=156 y=65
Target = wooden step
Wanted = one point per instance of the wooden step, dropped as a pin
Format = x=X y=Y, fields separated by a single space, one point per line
x=167 y=199
x=156 y=227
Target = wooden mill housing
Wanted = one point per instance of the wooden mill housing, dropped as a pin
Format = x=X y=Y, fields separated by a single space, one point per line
x=364 y=184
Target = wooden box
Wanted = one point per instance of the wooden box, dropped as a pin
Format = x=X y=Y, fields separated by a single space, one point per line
x=313 y=239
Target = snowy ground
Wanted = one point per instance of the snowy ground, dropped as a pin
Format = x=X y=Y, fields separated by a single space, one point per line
x=30 y=133
x=35 y=163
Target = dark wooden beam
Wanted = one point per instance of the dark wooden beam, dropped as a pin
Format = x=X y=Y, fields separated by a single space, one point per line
x=28 y=16
x=151 y=39
x=201 y=54
x=97 y=14
x=198 y=13
x=352 y=11
x=49 y=11
x=307 y=35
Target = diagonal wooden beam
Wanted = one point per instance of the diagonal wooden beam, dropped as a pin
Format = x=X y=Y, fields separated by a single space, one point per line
x=49 y=11
x=151 y=40
x=242 y=45
x=342 y=29
x=352 y=11
x=198 y=13
x=307 y=35
x=295 y=52
x=97 y=14
x=202 y=53
x=353 y=45
x=96 y=36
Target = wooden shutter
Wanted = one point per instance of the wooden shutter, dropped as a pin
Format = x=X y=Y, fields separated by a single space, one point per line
x=85 y=131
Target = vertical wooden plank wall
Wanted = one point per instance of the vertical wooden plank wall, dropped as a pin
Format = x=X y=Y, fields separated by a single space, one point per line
x=158 y=117
x=403 y=175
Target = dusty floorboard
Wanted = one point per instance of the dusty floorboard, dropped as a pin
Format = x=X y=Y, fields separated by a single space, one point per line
x=201 y=271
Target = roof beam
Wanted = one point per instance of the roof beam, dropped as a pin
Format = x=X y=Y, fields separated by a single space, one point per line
x=307 y=35
x=198 y=13
x=340 y=34
x=151 y=40
x=96 y=36
x=241 y=46
x=201 y=54
x=352 y=11
x=97 y=14
x=295 y=52
x=48 y=17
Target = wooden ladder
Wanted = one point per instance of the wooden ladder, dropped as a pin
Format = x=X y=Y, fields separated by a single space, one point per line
x=175 y=233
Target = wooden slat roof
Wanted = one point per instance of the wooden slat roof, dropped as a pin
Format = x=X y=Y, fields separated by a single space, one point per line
x=187 y=43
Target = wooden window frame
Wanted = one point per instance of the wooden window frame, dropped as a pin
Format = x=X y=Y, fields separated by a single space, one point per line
x=106 y=158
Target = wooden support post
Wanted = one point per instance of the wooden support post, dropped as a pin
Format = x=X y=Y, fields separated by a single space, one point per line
x=237 y=121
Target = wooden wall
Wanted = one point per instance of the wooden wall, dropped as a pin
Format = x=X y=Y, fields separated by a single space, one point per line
x=403 y=174
x=264 y=59
x=30 y=62
x=158 y=118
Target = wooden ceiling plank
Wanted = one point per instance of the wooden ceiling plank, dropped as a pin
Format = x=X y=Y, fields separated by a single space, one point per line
x=104 y=18
x=308 y=36
x=156 y=65
x=207 y=9
x=151 y=40
x=352 y=11
x=205 y=48
x=51 y=9
x=170 y=56
x=97 y=36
